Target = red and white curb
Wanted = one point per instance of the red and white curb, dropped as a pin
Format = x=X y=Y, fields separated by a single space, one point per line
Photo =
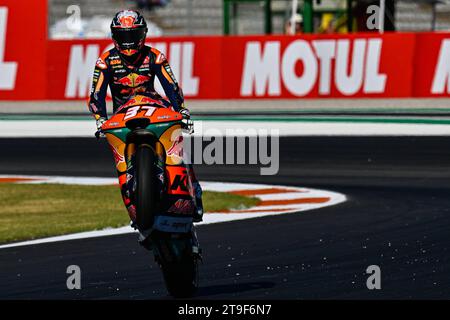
x=274 y=200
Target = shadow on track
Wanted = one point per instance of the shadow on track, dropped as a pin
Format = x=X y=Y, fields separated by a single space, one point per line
x=232 y=288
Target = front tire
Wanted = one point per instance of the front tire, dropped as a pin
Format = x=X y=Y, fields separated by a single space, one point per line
x=145 y=187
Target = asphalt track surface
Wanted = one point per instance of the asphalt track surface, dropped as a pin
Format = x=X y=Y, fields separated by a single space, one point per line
x=397 y=217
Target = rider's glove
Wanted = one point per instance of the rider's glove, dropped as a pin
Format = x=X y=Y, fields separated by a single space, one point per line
x=185 y=113
x=189 y=125
x=99 y=122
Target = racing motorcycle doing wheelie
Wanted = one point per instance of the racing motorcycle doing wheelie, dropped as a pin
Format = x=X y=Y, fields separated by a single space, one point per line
x=159 y=185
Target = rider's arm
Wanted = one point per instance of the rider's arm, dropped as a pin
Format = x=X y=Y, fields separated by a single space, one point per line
x=170 y=85
x=97 y=98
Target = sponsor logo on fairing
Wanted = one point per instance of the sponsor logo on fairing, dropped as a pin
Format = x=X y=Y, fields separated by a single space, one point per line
x=172 y=224
x=118 y=158
x=177 y=147
x=180 y=182
x=182 y=206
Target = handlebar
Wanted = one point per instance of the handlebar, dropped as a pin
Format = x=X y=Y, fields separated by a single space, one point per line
x=99 y=134
x=188 y=125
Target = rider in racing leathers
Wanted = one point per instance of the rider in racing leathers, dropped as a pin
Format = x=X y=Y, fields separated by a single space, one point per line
x=130 y=69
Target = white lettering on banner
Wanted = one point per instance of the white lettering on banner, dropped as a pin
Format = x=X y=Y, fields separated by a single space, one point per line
x=79 y=75
x=352 y=71
x=8 y=70
x=175 y=58
x=349 y=84
x=261 y=70
x=325 y=51
x=375 y=82
x=299 y=50
x=81 y=67
x=190 y=83
x=161 y=46
x=442 y=72
x=181 y=60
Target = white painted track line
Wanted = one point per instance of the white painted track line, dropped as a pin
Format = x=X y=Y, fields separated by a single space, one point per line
x=86 y=128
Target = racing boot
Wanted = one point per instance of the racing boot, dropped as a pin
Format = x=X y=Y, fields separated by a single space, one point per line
x=145 y=239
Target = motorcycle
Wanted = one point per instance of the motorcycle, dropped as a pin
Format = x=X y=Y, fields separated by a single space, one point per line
x=159 y=185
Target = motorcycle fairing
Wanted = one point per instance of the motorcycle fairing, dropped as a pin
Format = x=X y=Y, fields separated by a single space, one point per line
x=165 y=125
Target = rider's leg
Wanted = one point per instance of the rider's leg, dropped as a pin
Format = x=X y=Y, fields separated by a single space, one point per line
x=117 y=147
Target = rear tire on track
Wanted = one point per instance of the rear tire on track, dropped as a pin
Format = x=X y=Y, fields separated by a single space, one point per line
x=180 y=271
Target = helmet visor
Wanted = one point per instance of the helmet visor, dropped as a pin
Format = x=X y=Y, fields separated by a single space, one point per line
x=129 y=38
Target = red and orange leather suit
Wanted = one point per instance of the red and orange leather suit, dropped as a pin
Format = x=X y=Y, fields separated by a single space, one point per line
x=126 y=81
